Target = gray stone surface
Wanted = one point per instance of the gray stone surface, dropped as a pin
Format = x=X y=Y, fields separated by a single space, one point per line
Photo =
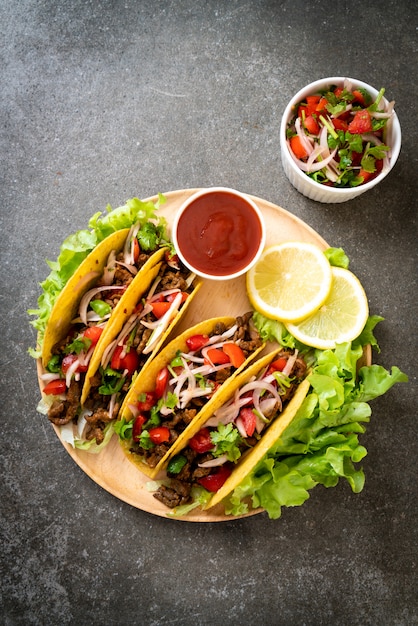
x=103 y=100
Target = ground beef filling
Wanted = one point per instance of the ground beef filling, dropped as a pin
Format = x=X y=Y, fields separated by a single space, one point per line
x=64 y=411
x=178 y=491
x=249 y=340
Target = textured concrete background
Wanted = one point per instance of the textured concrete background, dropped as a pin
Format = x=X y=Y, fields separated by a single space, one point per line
x=103 y=100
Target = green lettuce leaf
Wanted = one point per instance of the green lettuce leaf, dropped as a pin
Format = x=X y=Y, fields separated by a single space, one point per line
x=321 y=444
x=77 y=246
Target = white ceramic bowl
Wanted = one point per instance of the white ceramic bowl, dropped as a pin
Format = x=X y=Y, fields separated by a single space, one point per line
x=306 y=185
x=210 y=235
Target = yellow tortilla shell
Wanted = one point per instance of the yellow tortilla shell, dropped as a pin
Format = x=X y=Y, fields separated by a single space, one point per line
x=85 y=276
x=146 y=382
x=255 y=455
x=124 y=309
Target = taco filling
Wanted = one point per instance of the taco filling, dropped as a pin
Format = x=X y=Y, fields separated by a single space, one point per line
x=139 y=337
x=183 y=386
x=67 y=367
x=233 y=430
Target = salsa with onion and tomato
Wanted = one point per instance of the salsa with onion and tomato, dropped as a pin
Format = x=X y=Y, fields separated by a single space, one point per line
x=219 y=233
x=210 y=455
x=183 y=386
x=337 y=136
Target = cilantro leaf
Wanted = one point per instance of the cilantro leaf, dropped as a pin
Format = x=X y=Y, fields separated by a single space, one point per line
x=227 y=440
x=112 y=381
x=150 y=236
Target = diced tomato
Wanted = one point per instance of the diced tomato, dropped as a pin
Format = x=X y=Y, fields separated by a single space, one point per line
x=362 y=123
x=321 y=107
x=297 y=147
x=136 y=249
x=213 y=482
x=235 y=353
x=249 y=420
x=93 y=333
x=312 y=103
x=172 y=259
x=147 y=401
x=129 y=361
x=159 y=434
x=302 y=111
x=358 y=97
x=338 y=91
x=201 y=441
x=137 y=427
x=196 y=342
x=366 y=176
x=311 y=125
x=279 y=364
x=55 y=387
x=217 y=356
x=160 y=308
x=68 y=361
x=339 y=124
x=161 y=382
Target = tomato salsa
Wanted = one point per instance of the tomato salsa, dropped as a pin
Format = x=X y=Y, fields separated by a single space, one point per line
x=219 y=233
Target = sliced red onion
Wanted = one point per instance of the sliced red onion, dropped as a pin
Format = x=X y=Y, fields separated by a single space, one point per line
x=220 y=460
x=112 y=403
x=82 y=422
x=48 y=376
x=133 y=409
x=348 y=85
x=164 y=322
x=226 y=335
x=287 y=370
x=71 y=370
x=241 y=428
x=107 y=353
x=109 y=270
x=162 y=294
x=303 y=138
x=131 y=268
x=128 y=250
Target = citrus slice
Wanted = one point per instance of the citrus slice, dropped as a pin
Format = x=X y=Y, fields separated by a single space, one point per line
x=290 y=281
x=341 y=318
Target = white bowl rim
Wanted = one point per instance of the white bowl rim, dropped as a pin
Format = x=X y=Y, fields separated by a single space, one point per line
x=205 y=191
x=311 y=88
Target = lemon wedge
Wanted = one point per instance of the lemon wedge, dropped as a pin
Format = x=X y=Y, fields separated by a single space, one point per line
x=290 y=281
x=341 y=318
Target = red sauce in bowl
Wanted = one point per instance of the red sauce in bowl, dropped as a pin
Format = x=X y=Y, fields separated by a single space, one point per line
x=219 y=233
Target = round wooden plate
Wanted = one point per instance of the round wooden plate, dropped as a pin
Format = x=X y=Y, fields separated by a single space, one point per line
x=111 y=469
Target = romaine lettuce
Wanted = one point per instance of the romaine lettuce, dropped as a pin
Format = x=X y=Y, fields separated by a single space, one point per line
x=321 y=444
x=77 y=246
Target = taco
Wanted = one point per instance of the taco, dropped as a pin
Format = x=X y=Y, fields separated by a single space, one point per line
x=176 y=391
x=243 y=422
x=105 y=291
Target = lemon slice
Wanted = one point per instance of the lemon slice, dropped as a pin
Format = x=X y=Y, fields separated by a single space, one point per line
x=290 y=281
x=341 y=318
